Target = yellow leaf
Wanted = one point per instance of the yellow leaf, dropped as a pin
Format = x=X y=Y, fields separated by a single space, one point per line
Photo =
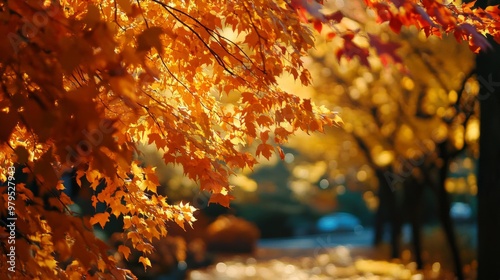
x=101 y=265
x=50 y=263
x=338 y=120
x=179 y=219
x=145 y=261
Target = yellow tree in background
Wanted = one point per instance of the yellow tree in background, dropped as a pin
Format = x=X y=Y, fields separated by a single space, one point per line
x=408 y=125
x=84 y=82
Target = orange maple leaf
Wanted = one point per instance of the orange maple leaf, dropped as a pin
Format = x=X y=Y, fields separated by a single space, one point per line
x=101 y=218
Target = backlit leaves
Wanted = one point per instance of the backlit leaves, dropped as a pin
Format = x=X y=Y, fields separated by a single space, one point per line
x=145 y=261
x=100 y=218
x=433 y=17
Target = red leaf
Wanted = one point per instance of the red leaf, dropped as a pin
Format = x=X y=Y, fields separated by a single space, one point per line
x=221 y=199
x=398 y=3
x=248 y=97
x=264 y=136
x=424 y=16
x=264 y=150
x=312 y=7
x=383 y=12
x=386 y=51
x=280 y=134
x=395 y=24
x=318 y=25
x=306 y=104
x=337 y=16
x=348 y=36
x=351 y=50
x=280 y=152
x=157 y=139
x=477 y=41
x=264 y=120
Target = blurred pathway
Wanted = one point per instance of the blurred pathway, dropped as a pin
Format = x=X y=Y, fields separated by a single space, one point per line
x=361 y=238
x=327 y=256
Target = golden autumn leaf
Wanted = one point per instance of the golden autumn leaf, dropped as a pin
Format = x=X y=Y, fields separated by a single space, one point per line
x=145 y=262
x=100 y=218
x=125 y=250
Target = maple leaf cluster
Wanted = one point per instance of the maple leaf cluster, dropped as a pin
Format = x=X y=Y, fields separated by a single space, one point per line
x=433 y=17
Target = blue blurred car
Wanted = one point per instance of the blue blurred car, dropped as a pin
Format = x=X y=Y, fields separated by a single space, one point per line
x=460 y=212
x=338 y=222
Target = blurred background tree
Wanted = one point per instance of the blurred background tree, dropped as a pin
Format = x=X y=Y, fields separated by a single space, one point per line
x=410 y=136
x=408 y=126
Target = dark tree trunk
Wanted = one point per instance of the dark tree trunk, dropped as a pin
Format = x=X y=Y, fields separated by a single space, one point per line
x=382 y=209
x=380 y=220
x=387 y=213
x=488 y=196
x=413 y=192
x=444 y=216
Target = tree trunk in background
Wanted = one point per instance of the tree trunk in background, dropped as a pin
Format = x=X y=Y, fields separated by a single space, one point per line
x=444 y=214
x=381 y=215
x=413 y=200
x=488 y=196
x=387 y=213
